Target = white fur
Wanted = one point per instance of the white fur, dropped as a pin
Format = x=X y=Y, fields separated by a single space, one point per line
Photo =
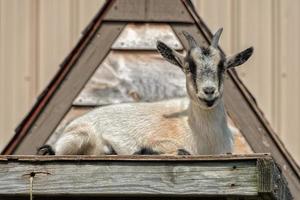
x=129 y=127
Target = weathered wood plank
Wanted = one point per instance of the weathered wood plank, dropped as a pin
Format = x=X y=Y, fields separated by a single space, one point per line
x=128 y=10
x=167 y=11
x=143 y=36
x=165 y=158
x=270 y=182
x=254 y=130
x=132 y=77
x=175 y=176
x=149 y=11
x=133 y=197
x=130 y=178
x=68 y=90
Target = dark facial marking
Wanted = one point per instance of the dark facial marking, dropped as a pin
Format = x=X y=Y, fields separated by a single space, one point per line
x=221 y=71
x=193 y=69
x=206 y=71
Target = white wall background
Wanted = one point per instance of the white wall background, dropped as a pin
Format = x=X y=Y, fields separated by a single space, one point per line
x=36 y=35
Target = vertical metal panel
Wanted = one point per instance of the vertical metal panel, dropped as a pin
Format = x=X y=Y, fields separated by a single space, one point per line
x=59 y=28
x=254 y=28
x=54 y=30
x=288 y=76
x=17 y=63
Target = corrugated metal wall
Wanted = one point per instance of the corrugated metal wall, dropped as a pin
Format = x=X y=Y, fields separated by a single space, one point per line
x=35 y=36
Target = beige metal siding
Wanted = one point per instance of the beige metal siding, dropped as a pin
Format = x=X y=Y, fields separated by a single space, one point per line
x=18 y=66
x=35 y=36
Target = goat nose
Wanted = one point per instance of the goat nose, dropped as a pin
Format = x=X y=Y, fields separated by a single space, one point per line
x=209 y=90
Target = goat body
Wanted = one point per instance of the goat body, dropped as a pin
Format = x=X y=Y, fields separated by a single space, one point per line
x=164 y=126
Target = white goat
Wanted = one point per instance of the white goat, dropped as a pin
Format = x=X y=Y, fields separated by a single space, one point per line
x=196 y=125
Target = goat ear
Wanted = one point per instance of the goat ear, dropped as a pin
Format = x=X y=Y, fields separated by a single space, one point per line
x=170 y=54
x=239 y=58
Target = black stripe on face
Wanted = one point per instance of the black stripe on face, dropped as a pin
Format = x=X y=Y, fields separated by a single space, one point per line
x=221 y=71
x=193 y=70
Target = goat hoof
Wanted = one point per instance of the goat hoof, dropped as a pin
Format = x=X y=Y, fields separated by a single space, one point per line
x=146 y=151
x=45 y=150
x=183 y=152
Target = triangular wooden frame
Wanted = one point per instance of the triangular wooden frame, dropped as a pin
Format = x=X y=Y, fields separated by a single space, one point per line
x=95 y=44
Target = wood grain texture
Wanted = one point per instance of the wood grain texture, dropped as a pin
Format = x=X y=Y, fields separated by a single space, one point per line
x=250 y=124
x=168 y=11
x=173 y=176
x=133 y=179
x=171 y=158
x=270 y=182
x=148 y=11
x=143 y=36
x=130 y=178
x=132 y=76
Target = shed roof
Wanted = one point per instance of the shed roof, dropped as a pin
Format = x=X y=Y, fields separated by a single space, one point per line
x=95 y=44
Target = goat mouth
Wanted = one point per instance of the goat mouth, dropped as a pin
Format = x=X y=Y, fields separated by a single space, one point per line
x=209 y=103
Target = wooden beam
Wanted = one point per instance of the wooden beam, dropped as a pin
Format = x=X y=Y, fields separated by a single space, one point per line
x=270 y=181
x=149 y=11
x=253 y=130
x=63 y=98
x=197 y=176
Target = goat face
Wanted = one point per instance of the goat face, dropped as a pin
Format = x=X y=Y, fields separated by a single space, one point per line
x=204 y=68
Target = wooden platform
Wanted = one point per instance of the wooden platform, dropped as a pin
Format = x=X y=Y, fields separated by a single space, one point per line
x=254 y=176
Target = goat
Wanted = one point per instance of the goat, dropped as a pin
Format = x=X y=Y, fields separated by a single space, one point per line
x=194 y=125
